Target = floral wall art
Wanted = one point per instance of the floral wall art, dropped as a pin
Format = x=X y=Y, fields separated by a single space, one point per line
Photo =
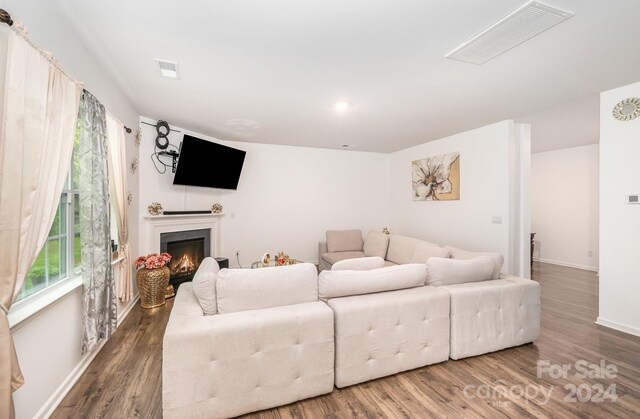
x=436 y=178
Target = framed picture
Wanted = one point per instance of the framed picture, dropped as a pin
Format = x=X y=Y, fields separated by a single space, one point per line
x=436 y=178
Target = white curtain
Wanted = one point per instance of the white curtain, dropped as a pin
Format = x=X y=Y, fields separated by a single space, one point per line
x=116 y=148
x=36 y=143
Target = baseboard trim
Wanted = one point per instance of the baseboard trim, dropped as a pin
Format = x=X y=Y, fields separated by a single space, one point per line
x=567 y=264
x=618 y=326
x=52 y=403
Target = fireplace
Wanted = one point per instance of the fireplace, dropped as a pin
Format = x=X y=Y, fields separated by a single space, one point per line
x=188 y=249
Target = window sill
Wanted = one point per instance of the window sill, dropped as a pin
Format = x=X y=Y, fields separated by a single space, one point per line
x=23 y=310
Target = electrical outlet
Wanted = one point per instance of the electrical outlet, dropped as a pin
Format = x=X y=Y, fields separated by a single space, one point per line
x=496 y=219
x=237 y=252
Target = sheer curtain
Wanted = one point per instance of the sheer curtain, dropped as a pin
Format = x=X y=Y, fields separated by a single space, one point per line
x=36 y=142
x=118 y=189
x=99 y=304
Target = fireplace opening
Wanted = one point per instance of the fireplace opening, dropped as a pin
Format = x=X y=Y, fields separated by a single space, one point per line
x=187 y=249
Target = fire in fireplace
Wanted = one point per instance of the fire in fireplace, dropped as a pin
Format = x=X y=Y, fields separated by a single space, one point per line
x=188 y=249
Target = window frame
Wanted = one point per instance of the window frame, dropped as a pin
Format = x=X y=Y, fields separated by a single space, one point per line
x=71 y=193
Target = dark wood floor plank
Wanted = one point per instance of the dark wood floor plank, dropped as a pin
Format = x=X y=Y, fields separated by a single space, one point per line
x=125 y=378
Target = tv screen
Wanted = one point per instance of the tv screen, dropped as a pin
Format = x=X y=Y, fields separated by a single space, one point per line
x=207 y=164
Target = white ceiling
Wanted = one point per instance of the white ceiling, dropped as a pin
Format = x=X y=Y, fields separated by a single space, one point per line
x=279 y=65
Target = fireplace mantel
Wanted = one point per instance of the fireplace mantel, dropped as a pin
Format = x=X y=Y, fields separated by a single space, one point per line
x=161 y=218
x=153 y=226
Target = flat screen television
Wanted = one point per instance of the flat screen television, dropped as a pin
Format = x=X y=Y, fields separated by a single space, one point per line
x=207 y=164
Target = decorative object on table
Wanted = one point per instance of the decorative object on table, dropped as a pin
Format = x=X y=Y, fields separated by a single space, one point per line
x=627 y=109
x=282 y=259
x=153 y=279
x=216 y=208
x=138 y=139
x=155 y=208
x=386 y=231
x=133 y=166
x=129 y=198
x=266 y=258
x=436 y=178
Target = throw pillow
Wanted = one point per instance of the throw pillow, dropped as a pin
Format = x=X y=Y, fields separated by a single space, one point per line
x=442 y=271
x=204 y=285
x=376 y=244
x=253 y=289
x=497 y=258
x=344 y=240
x=332 y=284
x=358 y=264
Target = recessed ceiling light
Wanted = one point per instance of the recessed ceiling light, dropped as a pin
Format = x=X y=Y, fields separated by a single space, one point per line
x=168 y=69
x=341 y=106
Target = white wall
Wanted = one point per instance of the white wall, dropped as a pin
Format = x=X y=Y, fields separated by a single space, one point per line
x=487 y=162
x=48 y=344
x=619 y=221
x=564 y=216
x=286 y=199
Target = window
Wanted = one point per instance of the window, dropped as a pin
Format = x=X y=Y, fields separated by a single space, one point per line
x=59 y=258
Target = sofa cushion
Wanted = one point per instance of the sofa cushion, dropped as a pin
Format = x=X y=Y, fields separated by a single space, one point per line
x=401 y=249
x=493 y=315
x=359 y=264
x=344 y=241
x=204 y=285
x=250 y=289
x=333 y=284
x=442 y=271
x=498 y=259
x=376 y=244
x=388 y=332
x=338 y=256
x=422 y=251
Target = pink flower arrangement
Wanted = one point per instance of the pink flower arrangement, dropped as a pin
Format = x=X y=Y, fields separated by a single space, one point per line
x=153 y=260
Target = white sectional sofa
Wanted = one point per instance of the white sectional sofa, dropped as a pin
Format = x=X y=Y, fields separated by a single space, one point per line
x=242 y=340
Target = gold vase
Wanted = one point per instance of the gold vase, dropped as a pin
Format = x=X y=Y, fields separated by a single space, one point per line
x=152 y=284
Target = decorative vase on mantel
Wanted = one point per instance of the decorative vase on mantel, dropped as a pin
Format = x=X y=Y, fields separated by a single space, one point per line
x=152 y=284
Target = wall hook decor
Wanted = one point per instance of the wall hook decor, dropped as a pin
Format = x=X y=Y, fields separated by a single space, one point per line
x=133 y=166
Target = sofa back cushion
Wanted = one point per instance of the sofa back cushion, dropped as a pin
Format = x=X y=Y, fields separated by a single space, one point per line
x=423 y=250
x=204 y=285
x=358 y=264
x=376 y=244
x=498 y=259
x=401 y=249
x=442 y=271
x=332 y=284
x=251 y=289
x=344 y=240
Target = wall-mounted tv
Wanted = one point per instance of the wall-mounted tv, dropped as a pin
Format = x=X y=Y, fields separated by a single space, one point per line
x=207 y=164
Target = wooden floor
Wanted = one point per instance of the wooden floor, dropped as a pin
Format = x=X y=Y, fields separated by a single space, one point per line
x=124 y=380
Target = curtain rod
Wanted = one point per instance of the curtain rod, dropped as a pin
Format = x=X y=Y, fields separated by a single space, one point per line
x=5 y=17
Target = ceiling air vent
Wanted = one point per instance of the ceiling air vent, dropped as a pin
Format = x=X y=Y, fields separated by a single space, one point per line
x=168 y=69
x=512 y=30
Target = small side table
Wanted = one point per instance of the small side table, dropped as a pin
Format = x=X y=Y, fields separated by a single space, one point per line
x=222 y=262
